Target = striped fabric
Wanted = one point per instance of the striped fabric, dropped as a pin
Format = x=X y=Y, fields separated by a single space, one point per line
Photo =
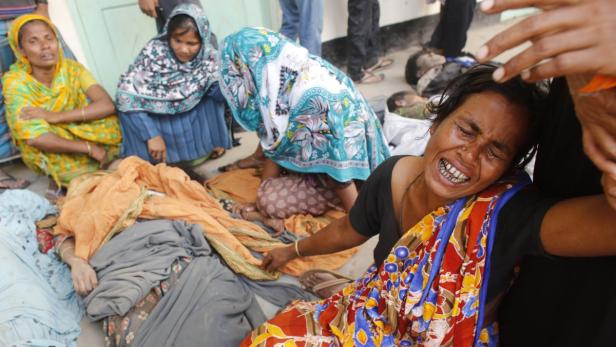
x=188 y=136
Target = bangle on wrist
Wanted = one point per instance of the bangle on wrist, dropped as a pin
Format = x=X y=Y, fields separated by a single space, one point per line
x=296 y=244
x=89 y=148
x=83 y=114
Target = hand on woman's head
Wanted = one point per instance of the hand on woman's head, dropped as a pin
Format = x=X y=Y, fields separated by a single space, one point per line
x=39 y=44
x=567 y=37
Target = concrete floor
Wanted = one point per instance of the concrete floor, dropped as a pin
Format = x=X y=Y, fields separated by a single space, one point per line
x=394 y=81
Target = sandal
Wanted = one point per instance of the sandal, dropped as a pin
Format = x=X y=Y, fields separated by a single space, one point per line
x=327 y=287
x=369 y=78
x=382 y=64
x=241 y=164
x=9 y=182
x=217 y=153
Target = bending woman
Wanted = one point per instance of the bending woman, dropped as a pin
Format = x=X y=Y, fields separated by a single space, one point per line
x=60 y=118
x=438 y=283
x=171 y=108
x=310 y=119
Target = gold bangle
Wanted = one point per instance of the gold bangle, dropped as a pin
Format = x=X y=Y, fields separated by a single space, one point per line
x=89 y=148
x=64 y=251
x=83 y=113
x=296 y=243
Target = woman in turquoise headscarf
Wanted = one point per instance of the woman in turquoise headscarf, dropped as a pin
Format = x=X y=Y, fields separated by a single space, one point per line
x=171 y=108
x=309 y=117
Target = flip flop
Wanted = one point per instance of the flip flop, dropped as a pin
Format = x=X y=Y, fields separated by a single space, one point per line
x=217 y=153
x=382 y=64
x=336 y=281
x=19 y=183
x=369 y=78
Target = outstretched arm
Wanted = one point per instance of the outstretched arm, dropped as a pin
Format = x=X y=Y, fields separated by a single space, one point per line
x=335 y=237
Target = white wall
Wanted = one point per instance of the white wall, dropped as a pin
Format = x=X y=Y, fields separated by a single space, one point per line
x=392 y=11
x=61 y=16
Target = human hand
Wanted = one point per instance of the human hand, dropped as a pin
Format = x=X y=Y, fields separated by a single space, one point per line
x=597 y=115
x=148 y=7
x=567 y=37
x=84 y=276
x=277 y=257
x=157 y=149
x=609 y=189
x=30 y=113
x=99 y=154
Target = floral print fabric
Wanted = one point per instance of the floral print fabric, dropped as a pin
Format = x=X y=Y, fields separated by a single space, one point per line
x=120 y=331
x=428 y=292
x=308 y=115
x=158 y=82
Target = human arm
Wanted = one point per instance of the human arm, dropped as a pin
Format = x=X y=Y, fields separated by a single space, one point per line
x=50 y=142
x=347 y=195
x=580 y=227
x=84 y=277
x=148 y=7
x=100 y=106
x=335 y=237
x=42 y=8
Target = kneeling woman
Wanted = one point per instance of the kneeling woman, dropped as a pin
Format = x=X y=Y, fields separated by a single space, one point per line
x=171 y=108
x=60 y=118
x=310 y=119
x=435 y=280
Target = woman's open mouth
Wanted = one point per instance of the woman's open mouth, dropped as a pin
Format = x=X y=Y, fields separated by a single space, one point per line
x=451 y=173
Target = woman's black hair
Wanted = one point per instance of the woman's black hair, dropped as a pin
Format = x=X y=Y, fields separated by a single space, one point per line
x=398 y=96
x=479 y=79
x=23 y=27
x=181 y=24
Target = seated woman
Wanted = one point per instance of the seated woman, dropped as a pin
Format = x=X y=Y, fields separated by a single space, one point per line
x=310 y=119
x=170 y=106
x=60 y=118
x=433 y=284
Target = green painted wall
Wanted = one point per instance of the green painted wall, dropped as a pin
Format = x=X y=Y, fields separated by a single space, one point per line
x=112 y=32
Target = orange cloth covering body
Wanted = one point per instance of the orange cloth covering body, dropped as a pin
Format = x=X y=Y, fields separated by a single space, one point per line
x=101 y=204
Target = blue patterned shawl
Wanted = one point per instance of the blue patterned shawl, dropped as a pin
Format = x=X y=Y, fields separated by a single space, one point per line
x=158 y=82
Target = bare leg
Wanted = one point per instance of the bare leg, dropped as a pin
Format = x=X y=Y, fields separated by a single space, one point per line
x=254 y=160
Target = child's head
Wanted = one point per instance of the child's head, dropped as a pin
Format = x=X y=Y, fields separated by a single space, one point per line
x=404 y=98
x=184 y=38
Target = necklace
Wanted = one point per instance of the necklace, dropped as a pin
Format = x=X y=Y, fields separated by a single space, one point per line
x=403 y=200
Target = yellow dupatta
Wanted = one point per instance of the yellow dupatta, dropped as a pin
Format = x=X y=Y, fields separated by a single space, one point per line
x=67 y=92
